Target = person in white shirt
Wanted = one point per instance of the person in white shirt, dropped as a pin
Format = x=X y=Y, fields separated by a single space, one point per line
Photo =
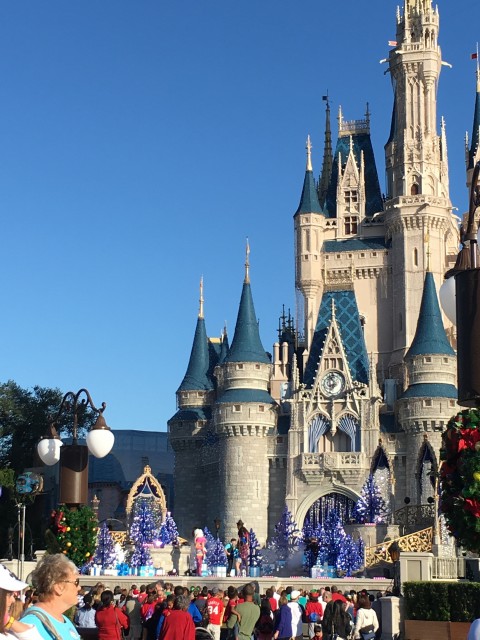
x=366 y=616
x=10 y=628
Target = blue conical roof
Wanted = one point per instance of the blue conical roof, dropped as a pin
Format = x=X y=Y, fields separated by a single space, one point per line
x=430 y=337
x=196 y=378
x=246 y=343
x=223 y=348
x=309 y=202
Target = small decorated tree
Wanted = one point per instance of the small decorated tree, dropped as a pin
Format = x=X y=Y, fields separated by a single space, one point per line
x=349 y=559
x=168 y=533
x=460 y=478
x=216 y=554
x=143 y=531
x=255 y=556
x=105 y=554
x=287 y=536
x=74 y=533
x=331 y=538
x=370 y=507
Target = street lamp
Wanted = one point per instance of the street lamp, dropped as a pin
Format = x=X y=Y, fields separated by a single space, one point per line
x=74 y=457
x=394 y=552
x=466 y=273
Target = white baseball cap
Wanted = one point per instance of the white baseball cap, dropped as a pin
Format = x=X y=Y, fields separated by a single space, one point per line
x=295 y=594
x=9 y=580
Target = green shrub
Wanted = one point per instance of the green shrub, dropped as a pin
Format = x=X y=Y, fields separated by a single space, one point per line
x=442 y=601
x=464 y=601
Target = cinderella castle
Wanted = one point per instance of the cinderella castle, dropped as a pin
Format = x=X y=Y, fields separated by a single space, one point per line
x=363 y=381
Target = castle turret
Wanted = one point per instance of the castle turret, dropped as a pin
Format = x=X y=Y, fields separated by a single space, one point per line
x=309 y=222
x=244 y=415
x=195 y=396
x=430 y=398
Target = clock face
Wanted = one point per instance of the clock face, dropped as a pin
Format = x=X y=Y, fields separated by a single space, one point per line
x=333 y=383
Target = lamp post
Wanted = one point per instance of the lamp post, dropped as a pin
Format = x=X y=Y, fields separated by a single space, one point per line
x=74 y=457
x=394 y=552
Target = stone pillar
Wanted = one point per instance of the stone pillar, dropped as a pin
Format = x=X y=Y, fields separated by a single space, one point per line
x=392 y=618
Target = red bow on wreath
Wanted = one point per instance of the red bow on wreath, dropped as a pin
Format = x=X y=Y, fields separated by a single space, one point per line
x=473 y=506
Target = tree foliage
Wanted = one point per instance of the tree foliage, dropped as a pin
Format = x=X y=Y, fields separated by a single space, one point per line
x=25 y=415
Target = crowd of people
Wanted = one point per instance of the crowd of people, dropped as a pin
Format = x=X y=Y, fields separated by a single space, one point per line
x=162 y=611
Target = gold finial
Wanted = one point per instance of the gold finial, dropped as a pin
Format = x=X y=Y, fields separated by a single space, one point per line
x=247 y=263
x=427 y=244
x=200 y=312
x=309 y=154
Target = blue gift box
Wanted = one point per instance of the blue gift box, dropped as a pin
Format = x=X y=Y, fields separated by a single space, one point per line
x=254 y=572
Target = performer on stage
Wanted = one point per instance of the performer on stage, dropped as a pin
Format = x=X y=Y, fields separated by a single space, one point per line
x=200 y=549
x=243 y=544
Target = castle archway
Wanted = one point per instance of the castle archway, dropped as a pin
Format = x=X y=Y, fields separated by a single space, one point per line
x=316 y=505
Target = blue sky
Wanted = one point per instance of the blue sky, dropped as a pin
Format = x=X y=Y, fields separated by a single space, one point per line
x=142 y=141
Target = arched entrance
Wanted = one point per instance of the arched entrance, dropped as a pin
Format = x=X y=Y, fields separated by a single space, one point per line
x=338 y=502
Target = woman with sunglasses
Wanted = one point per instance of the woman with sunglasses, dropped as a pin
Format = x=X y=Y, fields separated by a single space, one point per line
x=10 y=627
x=57 y=583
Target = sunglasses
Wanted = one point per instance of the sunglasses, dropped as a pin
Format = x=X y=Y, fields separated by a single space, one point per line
x=75 y=582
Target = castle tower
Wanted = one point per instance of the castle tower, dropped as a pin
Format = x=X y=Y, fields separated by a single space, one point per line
x=418 y=203
x=244 y=415
x=309 y=224
x=186 y=428
x=429 y=400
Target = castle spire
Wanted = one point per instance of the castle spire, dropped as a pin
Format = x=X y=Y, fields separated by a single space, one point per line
x=246 y=343
x=309 y=199
x=430 y=337
x=200 y=310
x=327 y=165
x=196 y=377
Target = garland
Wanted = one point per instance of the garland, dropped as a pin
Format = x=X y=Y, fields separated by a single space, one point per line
x=460 y=478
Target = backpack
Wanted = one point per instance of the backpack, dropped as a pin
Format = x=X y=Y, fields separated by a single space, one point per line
x=313 y=617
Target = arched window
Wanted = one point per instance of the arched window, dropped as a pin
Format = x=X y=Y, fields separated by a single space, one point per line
x=414 y=190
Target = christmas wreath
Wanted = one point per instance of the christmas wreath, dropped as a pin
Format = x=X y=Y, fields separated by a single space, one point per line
x=460 y=478
x=73 y=532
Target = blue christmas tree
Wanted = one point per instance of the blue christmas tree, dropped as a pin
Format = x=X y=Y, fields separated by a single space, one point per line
x=287 y=536
x=370 y=507
x=143 y=531
x=255 y=557
x=331 y=538
x=349 y=559
x=105 y=554
x=168 y=533
x=216 y=554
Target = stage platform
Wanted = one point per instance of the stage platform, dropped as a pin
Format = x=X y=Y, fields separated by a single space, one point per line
x=298 y=582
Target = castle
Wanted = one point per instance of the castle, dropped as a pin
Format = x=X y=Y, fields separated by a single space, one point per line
x=364 y=381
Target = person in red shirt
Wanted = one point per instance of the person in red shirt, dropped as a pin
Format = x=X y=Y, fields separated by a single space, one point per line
x=313 y=612
x=215 y=608
x=272 y=600
x=179 y=624
x=110 y=619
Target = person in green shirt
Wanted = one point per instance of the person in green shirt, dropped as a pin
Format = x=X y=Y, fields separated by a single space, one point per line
x=248 y=613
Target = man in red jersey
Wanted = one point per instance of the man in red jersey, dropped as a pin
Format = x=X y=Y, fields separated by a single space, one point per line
x=215 y=608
